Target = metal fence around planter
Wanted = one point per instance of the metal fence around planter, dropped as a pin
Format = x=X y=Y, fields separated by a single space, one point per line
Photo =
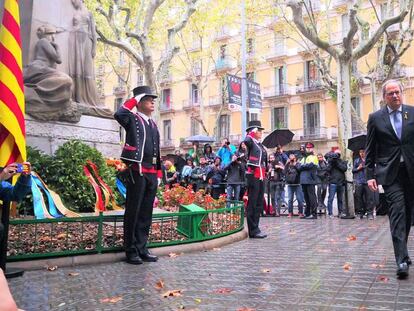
x=46 y=238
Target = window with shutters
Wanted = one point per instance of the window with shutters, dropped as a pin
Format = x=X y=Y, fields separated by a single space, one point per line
x=166 y=99
x=280 y=80
x=194 y=94
x=167 y=130
x=311 y=120
x=195 y=127
x=224 y=126
x=279 y=118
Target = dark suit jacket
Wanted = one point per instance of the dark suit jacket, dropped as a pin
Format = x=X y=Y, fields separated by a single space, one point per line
x=384 y=149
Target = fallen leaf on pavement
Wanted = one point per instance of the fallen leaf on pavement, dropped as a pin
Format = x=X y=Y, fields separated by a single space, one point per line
x=246 y=309
x=362 y=308
x=223 y=290
x=73 y=273
x=351 y=238
x=347 y=266
x=172 y=293
x=159 y=284
x=377 y=266
x=216 y=249
x=291 y=231
x=197 y=300
x=382 y=278
x=264 y=288
x=173 y=255
x=266 y=270
x=51 y=268
x=111 y=299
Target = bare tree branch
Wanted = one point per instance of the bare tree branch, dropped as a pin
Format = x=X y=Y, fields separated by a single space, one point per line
x=311 y=34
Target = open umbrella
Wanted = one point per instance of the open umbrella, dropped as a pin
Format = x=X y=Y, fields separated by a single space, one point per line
x=356 y=143
x=278 y=137
x=201 y=139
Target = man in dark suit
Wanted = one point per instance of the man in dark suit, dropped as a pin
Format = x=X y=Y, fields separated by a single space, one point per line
x=390 y=163
x=141 y=153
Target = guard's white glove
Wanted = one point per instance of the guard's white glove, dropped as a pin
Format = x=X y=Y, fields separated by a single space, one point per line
x=159 y=181
x=139 y=97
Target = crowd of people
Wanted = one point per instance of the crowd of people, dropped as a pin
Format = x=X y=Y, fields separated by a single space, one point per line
x=312 y=179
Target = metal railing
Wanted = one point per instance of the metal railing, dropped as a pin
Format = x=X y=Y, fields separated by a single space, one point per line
x=311 y=85
x=278 y=90
x=46 y=238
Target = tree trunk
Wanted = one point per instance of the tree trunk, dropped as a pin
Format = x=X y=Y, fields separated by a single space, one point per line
x=375 y=103
x=345 y=125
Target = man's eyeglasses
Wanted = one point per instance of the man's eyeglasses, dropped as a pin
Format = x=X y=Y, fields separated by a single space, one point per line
x=393 y=93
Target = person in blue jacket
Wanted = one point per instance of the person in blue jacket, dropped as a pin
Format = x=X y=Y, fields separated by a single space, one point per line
x=11 y=193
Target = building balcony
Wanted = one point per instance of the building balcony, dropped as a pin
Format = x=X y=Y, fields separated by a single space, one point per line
x=166 y=79
x=195 y=46
x=190 y=105
x=120 y=91
x=224 y=34
x=215 y=101
x=277 y=54
x=167 y=144
x=224 y=64
x=235 y=139
x=166 y=108
x=310 y=86
x=278 y=91
x=314 y=133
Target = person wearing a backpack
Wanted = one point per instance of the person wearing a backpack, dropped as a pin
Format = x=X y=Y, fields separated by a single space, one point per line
x=294 y=188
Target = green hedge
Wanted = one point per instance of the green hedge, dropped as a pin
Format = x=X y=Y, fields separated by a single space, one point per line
x=63 y=173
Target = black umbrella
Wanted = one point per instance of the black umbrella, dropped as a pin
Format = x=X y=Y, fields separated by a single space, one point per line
x=178 y=161
x=278 y=137
x=357 y=143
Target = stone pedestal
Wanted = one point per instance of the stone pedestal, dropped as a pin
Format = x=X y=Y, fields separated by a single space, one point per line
x=102 y=134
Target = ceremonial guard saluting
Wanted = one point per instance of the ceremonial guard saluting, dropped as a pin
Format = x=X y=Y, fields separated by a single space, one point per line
x=142 y=155
x=256 y=171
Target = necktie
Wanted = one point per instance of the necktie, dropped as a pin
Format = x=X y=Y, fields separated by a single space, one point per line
x=397 y=123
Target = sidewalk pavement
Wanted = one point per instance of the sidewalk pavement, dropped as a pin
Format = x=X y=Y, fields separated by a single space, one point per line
x=323 y=264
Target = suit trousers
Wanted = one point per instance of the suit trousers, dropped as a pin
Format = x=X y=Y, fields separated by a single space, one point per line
x=255 y=193
x=400 y=199
x=310 y=199
x=364 y=199
x=141 y=191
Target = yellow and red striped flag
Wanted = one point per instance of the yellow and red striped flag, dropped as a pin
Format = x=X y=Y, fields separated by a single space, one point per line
x=12 y=126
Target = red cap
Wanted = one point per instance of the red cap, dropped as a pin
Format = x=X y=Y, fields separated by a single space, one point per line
x=309 y=145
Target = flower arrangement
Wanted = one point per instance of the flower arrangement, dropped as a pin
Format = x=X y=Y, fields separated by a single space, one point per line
x=173 y=197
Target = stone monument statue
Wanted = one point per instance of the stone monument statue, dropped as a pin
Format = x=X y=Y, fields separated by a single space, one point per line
x=82 y=44
x=48 y=90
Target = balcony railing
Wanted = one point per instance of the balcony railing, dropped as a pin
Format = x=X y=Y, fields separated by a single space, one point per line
x=276 y=53
x=166 y=108
x=278 y=90
x=119 y=90
x=310 y=86
x=215 y=101
x=235 y=139
x=224 y=33
x=167 y=143
x=224 y=64
x=166 y=78
x=188 y=104
x=314 y=133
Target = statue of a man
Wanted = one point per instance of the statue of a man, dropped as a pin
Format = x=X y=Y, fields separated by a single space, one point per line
x=47 y=90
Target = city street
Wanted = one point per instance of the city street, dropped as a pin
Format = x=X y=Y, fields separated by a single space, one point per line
x=327 y=264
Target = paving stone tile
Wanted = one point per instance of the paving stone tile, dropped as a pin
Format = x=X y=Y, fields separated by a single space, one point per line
x=300 y=266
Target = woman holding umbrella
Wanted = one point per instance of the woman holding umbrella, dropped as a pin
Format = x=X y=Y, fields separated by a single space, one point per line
x=256 y=170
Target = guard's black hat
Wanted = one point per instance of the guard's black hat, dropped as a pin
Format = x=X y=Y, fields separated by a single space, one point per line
x=253 y=124
x=144 y=90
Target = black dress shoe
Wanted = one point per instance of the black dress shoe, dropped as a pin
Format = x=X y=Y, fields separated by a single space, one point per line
x=402 y=270
x=408 y=261
x=147 y=257
x=259 y=235
x=311 y=217
x=133 y=259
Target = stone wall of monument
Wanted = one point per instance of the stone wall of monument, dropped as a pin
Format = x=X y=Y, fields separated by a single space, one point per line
x=103 y=134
